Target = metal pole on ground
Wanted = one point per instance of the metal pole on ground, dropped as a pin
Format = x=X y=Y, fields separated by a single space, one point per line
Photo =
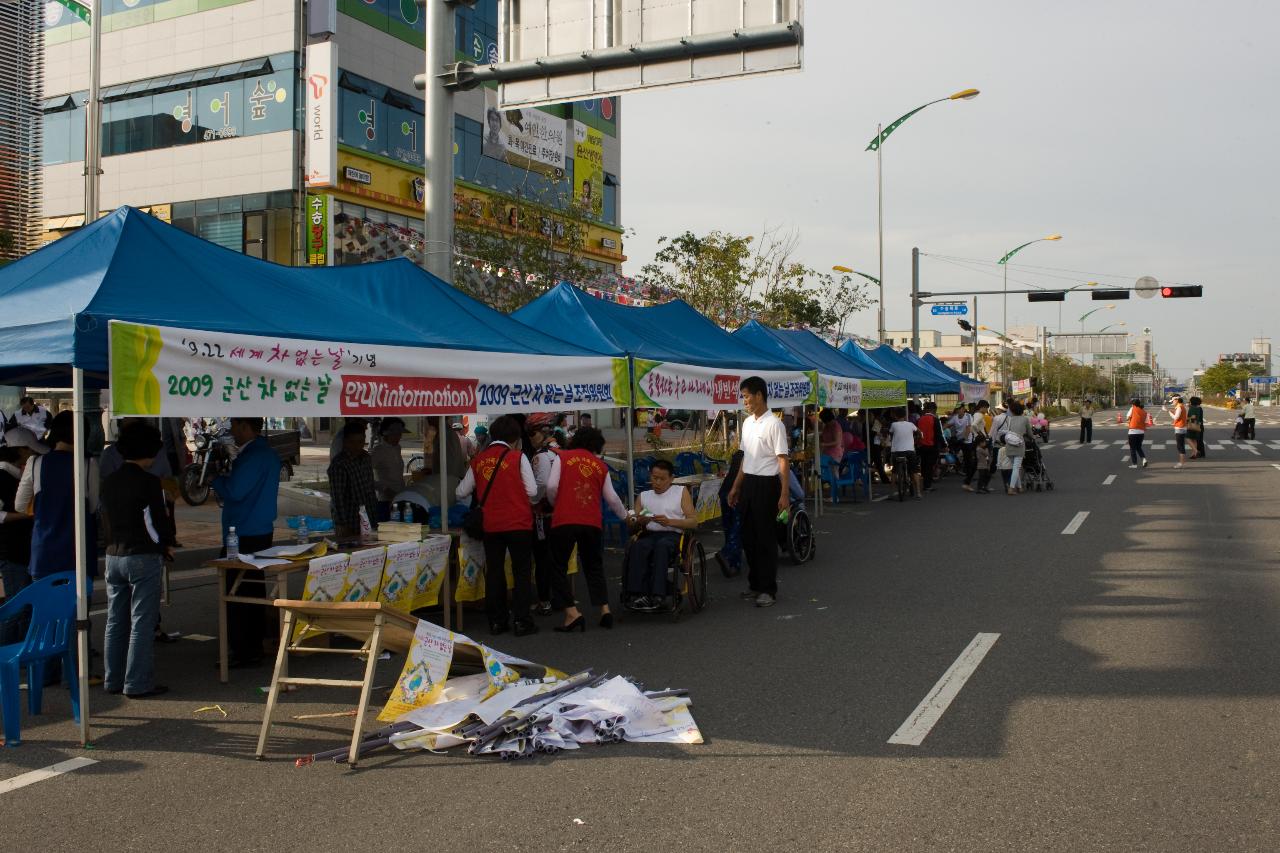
x=631 y=438
x=80 y=491
x=438 y=123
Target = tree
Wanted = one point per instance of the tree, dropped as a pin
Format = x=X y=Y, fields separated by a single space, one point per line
x=518 y=247
x=712 y=273
x=842 y=297
x=1224 y=376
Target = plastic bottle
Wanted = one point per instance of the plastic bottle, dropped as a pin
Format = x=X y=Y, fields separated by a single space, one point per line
x=304 y=535
x=233 y=545
x=395 y=512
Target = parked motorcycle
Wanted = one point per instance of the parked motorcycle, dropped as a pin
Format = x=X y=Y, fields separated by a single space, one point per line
x=213 y=454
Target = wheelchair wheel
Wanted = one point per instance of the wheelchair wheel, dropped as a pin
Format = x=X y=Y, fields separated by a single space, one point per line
x=800 y=542
x=696 y=578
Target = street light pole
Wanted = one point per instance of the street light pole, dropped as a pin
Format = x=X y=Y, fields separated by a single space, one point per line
x=882 y=133
x=1004 y=262
x=880 y=231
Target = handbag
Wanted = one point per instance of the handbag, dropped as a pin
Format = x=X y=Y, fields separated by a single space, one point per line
x=473 y=524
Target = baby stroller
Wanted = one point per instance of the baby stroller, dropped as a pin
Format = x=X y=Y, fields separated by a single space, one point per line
x=1241 y=432
x=1034 y=473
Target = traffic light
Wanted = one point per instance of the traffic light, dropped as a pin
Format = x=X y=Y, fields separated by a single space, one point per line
x=1185 y=291
x=1047 y=296
x=1108 y=295
x=965 y=324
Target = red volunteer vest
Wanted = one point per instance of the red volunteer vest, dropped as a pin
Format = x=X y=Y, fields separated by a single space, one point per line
x=928 y=430
x=582 y=477
x=507 y=507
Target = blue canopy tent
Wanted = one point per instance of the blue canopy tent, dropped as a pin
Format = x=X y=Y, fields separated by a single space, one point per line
x=810 y=349
x=919 y=379
x=862 y=357
x=673 y=332
x=971 y=390
x=56 y=305
x=917 y=361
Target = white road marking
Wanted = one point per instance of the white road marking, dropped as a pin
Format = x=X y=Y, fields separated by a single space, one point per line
x=1111 y=478
x=1125 y=458
x=49 y=772
x=1071 y=528
x=1102 y=446
x=926 y=715
x=1251 y=450
x=1274 y=465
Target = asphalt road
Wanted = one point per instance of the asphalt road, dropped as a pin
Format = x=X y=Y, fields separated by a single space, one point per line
x=1129 y=702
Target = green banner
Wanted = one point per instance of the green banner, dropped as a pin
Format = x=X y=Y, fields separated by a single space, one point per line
x=883 y=393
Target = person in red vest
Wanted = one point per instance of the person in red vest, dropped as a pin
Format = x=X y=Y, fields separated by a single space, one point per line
x=578 y=481
x=508 y=524
x=930 y=443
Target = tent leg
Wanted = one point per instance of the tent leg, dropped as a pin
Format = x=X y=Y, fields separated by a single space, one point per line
x=816 y=467
x=442 y=459
x=80 y=492
x=866 y=426
x=631 y=435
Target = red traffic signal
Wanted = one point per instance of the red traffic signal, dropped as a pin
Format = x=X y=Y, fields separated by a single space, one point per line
x=1182 y=292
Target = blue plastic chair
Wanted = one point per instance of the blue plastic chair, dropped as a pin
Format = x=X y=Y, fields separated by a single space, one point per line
x=858 y=466
x=642 y=468
x=832 y=476
x=712 y=466
x=611 y=526
x=686 y=463
x=52 y=600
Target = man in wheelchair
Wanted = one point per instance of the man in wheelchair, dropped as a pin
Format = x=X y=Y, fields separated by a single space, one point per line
x=662 y=514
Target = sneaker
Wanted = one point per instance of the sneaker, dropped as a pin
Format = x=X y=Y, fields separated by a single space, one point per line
x=764 y=599
x=1179 y=465
x=748 y=595
x=1144 y=462
x=1133 y=466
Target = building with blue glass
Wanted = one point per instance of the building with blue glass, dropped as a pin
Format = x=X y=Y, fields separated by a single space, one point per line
x=205 y=124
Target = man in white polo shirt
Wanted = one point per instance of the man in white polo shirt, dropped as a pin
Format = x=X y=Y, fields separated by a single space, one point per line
x=760 y=490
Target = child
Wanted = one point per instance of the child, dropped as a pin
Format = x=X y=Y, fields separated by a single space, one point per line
x=982 y=447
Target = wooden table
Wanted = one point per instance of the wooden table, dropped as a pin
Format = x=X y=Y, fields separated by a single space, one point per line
x=231 y=575
x=373 y=624
x=695 y=479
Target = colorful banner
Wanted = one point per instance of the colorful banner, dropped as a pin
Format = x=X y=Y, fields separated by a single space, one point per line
x=667 y=384
x=415 y=573
x=319 y=246
x=972 y=392
x=166 y=372
x=588 y=169
x=527 y=138
x=1021 y=387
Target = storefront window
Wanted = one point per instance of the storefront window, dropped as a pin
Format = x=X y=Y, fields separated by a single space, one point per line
x=382 y=121
x=362 y=235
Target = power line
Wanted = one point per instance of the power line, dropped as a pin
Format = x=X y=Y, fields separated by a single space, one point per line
x=1091 y=275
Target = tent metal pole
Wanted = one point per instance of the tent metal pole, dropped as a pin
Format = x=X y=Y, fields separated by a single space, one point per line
x=866 y=427
x=631 y=436
x=444 y=514
x=816 y=467
x=80 y=491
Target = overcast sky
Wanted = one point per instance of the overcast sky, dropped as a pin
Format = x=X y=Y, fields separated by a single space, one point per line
x=1146 y=133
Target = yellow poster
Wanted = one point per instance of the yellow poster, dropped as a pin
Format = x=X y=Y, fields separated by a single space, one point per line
x=425 y=670
x=708 y=502
x=415 y=573
x=326 y=578
x=471 y=569
x=364 y=575
x=588 y=169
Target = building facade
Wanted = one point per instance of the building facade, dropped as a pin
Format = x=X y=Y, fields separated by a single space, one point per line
x=21 y=64
x=207 y=124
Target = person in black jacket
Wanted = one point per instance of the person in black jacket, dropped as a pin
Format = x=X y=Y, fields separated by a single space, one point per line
x=139 y=538
x=15 y=526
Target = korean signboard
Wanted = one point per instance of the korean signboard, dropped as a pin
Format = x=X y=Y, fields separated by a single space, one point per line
x=527 y=138
x=668 y=384
x=322 y=115
x=318 y=226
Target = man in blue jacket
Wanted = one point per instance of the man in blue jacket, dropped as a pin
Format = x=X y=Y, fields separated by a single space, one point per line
x=248 y=495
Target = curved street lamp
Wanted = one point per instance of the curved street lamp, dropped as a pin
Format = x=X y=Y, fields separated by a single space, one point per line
x=882 y=133
x=1004 y=262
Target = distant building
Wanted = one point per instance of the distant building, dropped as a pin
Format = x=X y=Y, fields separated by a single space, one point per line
x=1262 y=347
x=21 y=70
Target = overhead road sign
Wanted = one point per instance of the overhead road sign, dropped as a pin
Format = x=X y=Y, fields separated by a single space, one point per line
x=552 y=51
x=949 y=309
x=1264 y=380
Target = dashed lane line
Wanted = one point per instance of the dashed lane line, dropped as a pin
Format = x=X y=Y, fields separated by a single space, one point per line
x=1111 y=478
x=926 y=715
x=1071 y=528
x=50 y=772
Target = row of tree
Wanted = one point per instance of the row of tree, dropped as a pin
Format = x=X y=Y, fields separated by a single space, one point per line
x=524 y=245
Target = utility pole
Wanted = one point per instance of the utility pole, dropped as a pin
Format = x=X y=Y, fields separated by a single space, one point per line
x=976 y=373
x=915 y=300
x=438 y=130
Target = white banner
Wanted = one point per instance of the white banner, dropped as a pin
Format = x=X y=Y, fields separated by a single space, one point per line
x=666 y=384
x=168 y=372
x=972 y=392
x=528 y=137
x=840 y=392
x=321 y=127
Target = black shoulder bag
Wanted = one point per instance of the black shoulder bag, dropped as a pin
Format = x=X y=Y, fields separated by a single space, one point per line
x=473 y=524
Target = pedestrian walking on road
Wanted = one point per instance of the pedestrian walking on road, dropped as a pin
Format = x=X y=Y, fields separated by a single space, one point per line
x=1249 y=420
x=1137 y=420
x=1178 y=414
x=982 y=453
x=1195 y=428
x=1086 y=422
x=1014 y=435
x=760 y=490
x=930 y=444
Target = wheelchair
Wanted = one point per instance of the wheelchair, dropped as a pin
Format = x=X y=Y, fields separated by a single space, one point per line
x=686 y=578
x=796 y=536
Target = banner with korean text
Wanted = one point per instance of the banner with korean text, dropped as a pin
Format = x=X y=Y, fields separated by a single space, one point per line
x=666 y=384
x=170 y=372
x=846 y=393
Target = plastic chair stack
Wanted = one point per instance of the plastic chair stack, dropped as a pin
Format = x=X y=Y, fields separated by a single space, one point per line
x=50 y=636
x=686 y=463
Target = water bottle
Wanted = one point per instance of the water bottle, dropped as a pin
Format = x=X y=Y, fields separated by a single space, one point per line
x=233 y=545
x=395 y=512
x=304 y=535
